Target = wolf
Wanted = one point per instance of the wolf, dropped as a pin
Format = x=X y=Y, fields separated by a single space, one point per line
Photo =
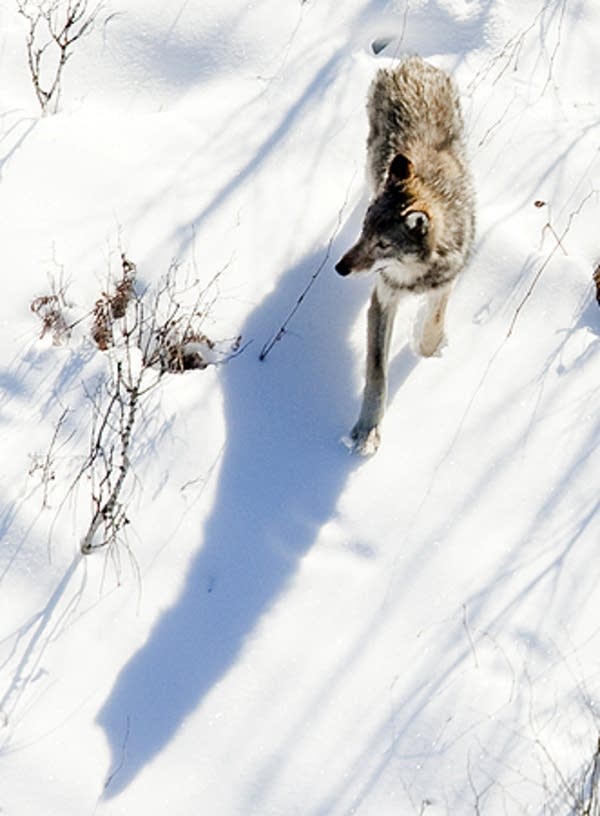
x=418 y=231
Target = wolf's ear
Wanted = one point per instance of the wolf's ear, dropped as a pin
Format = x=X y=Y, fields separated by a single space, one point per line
x=400 y=168
x=417 y=221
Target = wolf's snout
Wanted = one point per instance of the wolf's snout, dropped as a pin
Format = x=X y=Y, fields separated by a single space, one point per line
x=344 y=266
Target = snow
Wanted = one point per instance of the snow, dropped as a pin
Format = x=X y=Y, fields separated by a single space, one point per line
x=286 y=628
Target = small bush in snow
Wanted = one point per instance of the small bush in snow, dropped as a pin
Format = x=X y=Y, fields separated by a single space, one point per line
x=53 y=27
x=143 y=334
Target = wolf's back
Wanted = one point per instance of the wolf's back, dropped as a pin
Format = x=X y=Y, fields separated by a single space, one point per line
x=413 y=108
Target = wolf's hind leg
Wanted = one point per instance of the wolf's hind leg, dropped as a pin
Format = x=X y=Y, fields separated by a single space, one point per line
x=430 y=334
x=366 y=435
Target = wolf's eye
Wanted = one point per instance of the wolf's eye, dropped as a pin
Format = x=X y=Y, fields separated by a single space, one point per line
x=382 y=243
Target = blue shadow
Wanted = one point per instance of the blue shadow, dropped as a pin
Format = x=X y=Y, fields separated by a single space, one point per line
x=282 y=473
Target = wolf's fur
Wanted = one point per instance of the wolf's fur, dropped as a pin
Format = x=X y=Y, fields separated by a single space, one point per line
x=418 y=230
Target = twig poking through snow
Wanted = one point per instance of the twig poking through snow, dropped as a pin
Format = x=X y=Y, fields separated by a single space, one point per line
x=44 y=465
x=559 y=245
x=266 y=349
x=123 y=756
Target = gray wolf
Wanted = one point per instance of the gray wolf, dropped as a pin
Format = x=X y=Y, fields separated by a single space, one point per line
x=419 y=228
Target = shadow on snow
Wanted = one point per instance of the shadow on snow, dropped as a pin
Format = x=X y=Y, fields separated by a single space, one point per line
x=282 y=474
x=283 y=471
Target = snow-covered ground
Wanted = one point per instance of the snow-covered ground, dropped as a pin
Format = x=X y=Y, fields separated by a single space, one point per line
x=285 y=628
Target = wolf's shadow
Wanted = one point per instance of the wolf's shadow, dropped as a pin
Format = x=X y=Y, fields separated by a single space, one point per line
x=282 y=473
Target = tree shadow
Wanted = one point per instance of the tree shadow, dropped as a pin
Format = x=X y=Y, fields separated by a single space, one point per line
x=318 y=85
x=14 y=138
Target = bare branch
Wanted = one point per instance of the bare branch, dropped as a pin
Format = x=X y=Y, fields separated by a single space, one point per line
x=144 y=334
x=45 y=465
x=52 y=30
x=558 y=245
x=268 y=346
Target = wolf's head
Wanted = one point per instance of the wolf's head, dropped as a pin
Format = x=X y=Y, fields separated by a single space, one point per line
x=395 y=229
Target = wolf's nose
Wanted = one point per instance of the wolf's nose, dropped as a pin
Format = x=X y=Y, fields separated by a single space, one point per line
x=342 y=267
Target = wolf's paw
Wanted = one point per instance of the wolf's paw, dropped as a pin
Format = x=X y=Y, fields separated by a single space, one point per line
x=363 y=440
x=432 y=346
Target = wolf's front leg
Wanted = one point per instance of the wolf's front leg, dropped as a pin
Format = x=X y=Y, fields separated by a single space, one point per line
x=432 y=329
x=366 y=434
